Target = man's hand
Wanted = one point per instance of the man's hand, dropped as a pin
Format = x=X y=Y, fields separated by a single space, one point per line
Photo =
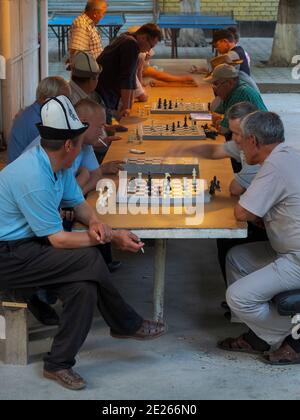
x=112 y=168
x=216 y=119
x=101 y=233
x=127 y=241
x=124 y=113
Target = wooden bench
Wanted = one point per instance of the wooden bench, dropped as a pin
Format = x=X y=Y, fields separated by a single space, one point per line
x=18 y=332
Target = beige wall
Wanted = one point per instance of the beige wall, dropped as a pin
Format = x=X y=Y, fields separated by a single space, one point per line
x=19 y=45
x=252 y=10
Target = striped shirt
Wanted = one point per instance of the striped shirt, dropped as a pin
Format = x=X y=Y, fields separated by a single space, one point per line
x=84 y=36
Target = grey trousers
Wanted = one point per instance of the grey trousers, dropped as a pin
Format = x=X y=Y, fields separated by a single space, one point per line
x=255 y=275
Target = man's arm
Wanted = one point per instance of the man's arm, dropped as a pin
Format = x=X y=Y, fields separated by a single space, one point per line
x=206 y=151
x=236 y=189
x=243 y=215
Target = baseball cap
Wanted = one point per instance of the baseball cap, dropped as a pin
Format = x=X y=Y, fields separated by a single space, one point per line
x=85 y=66
x=222 y=34
x=223 y=59
x=224 y=71
x=59 y=120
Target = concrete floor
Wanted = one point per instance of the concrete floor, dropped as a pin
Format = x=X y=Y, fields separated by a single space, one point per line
x=185 y=363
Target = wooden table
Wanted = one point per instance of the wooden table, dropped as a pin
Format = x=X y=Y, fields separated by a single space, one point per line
x=219 y=220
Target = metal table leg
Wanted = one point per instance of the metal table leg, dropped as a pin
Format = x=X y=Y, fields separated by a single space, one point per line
x=159 y=278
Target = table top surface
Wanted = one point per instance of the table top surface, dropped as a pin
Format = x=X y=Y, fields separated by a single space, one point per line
x=108 y=20
x=219 y=220
x=191 y=21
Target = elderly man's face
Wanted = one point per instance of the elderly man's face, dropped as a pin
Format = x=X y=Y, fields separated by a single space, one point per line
x=223 y=87
x=96 y=121
x=250 y=147
x=99 y=12
x=237 y=133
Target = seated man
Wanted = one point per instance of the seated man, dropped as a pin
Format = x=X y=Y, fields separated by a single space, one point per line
x=36 y=252
x=257 y=272
x=227 y=85
x=85 y=167
x=24 y=129
x=241 y=181
x=84 y=80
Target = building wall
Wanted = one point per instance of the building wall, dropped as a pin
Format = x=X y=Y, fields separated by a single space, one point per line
x=244 y=10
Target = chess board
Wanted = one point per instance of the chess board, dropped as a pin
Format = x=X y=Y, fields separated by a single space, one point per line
x=160 y=132
x=183 y=192
x=179 y=107
x=161 y=166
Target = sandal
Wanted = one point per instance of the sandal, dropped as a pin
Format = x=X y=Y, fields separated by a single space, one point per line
x=148 y=331
x=238 y=345
x=284 y=356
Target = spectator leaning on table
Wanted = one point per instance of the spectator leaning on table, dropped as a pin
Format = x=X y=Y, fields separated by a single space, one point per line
x=119 y=62
x=36 y=252
x=84 y=35
x=24 y=129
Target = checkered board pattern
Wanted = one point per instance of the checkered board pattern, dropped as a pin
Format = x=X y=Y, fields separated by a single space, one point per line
x=180 y=108
x=184 y=192
x=161 y=166
x=160 y=132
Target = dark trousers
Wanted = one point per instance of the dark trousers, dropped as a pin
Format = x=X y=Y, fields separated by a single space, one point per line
x=255 y=234
x=80 y=279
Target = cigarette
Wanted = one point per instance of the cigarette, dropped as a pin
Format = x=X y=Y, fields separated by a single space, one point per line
x=143 y=251
x=103 y=142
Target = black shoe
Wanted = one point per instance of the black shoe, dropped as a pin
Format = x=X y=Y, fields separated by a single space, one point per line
x=42 y=312
x=114 y=266
x=224 y=305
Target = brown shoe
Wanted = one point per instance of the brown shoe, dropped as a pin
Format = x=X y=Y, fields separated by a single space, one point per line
x=284 y=356
x=66 y=378
x=148 y=331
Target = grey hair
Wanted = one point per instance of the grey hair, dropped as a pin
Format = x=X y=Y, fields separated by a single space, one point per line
x=241 y=110
x=266 y=127
x=51 y=87
x=93 y=5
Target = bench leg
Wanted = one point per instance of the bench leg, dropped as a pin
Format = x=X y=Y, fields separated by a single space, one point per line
x=16 y=341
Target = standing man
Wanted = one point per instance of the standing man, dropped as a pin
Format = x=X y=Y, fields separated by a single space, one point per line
x=84 y=35
x=36 y=252
x=119 y=61
x=257 y=272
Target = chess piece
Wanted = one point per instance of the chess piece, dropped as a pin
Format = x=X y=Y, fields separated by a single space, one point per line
x=178 y=124
x=167 y=127
x=159 y=104
x=149 y=184
x=173 y=127
x=185 y=122
x=170 y=105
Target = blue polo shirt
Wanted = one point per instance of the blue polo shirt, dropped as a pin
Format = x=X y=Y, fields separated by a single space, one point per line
x=86 y=158
x=23 y=131
x=31 y=194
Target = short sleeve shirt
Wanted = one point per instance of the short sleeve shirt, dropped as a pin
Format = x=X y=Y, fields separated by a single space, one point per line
x=31 y=194
x=274 y=195
x=23 y=131
x=248 y=172
x=242 y=93
x=84 y=36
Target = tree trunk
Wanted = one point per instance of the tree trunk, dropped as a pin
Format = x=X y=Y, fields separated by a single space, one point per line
x=191 y=37
x=286 y=42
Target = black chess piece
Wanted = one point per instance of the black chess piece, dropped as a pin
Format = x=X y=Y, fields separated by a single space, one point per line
x=176 y=104
x=149 y=184
x=185 y=122
x=173 y=127
x=170 y=105
x=159 y=105
x=178 y=124
x=167 y=127
x=212 y=189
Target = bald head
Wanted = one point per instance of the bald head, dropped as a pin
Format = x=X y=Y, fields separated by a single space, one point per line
x=95 y=10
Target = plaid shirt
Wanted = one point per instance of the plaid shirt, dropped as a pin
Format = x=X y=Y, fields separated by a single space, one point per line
x=84 y=36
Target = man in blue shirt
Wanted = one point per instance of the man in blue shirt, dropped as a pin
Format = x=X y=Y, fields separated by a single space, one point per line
x=24 y=129
x=36 y=252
